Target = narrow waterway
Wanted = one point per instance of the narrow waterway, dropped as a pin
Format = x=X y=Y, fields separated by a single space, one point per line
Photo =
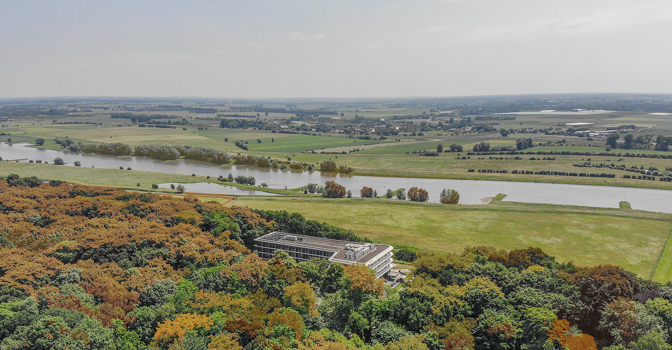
x=471 y=191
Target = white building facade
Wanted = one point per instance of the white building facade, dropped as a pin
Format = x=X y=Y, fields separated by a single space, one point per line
x=302 y=248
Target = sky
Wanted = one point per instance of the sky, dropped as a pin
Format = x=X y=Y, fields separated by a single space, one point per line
x=333 y=49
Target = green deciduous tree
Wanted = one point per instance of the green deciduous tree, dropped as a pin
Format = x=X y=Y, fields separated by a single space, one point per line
x=481 y=147
x=628 y=141
x=612 y=140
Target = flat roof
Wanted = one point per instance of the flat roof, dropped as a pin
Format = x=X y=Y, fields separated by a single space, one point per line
x=308 y=241
x=377 y=249
x=334 y=245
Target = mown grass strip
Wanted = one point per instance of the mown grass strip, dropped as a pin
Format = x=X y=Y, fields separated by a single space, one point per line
x=499 y=197
x=663 y=271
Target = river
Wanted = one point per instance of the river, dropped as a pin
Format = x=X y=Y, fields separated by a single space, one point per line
x=471 y=191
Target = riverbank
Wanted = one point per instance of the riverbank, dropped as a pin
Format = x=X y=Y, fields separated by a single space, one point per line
x=115 y=177
x=447 y=166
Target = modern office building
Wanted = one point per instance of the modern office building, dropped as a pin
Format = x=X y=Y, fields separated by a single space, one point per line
x=376 y=256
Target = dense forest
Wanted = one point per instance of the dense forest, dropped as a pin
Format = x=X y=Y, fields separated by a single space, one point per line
x=100 y=268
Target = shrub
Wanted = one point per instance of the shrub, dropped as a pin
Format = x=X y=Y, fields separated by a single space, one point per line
x=417 y=194
x=449 y=196
x=328 y=165
x=404 y=255
x=312 y=188
x=366 y=192
x=344 y=169
x=456 y=148
x=333 y=190
x=242 y=144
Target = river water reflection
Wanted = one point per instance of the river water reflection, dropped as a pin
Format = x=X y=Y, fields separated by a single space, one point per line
x=471 y=191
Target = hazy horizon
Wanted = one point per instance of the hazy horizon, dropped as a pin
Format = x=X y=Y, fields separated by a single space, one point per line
x=270 y=49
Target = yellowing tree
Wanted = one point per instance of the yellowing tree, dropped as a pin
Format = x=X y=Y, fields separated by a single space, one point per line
x=251 y=270
x=212 y=302
x=317 y=341
x=224 y=342
x=302 y=296
x=169 y=330
x=362 y=278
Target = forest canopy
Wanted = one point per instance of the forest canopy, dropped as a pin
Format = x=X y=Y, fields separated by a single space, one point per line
x=86 y=267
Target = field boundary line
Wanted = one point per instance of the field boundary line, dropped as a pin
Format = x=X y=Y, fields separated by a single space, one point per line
x=666 y=247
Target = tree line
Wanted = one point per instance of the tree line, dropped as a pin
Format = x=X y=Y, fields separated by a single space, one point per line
x=331 y=189
x=661 y=143
x=542 y=172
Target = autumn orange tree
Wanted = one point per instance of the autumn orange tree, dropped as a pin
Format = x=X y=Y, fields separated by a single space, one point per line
x=366 y=192
x=112 y=269
x=172 y=331
x=417 y=194
x=559 y=332
x=362 y=280
x=333 y=190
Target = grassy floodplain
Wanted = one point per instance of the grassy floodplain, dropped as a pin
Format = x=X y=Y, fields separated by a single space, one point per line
x=632 y=239
x=382 y=157
x=127 y=179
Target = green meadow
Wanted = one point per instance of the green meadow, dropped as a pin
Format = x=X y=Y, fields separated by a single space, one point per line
x=635 y=240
